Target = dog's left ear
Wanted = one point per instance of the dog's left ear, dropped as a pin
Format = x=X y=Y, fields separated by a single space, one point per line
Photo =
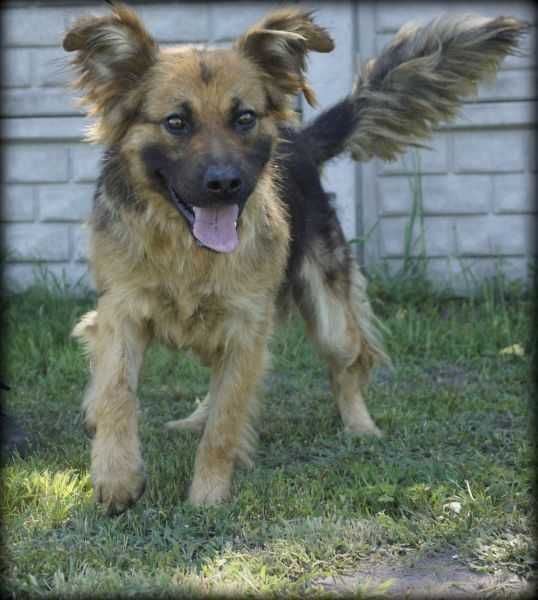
x=279 y=44
x=112 y=55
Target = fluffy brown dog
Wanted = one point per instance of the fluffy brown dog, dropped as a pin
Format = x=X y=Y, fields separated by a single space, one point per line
x=210 y=217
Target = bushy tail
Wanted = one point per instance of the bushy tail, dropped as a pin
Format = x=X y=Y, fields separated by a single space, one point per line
x=417 y=82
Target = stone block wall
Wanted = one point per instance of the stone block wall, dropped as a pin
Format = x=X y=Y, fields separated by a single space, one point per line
x=477 y=181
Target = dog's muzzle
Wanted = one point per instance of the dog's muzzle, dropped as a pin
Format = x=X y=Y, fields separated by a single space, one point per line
x=215 y=226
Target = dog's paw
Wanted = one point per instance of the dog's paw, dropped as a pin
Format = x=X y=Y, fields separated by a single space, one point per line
x=119 y=494
x=364 y=429
x=209 y=492
x=118 y=484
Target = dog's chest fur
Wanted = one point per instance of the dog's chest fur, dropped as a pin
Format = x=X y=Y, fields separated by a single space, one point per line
x=189 y=296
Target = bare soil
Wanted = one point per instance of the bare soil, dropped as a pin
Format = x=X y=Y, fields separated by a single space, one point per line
x=439 y=576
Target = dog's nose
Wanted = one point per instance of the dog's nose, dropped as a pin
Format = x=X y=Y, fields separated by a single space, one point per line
x=222 y=181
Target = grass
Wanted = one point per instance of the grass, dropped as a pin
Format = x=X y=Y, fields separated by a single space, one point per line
x=454 y=470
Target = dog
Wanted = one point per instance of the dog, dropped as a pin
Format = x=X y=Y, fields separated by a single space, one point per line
x=210 y=221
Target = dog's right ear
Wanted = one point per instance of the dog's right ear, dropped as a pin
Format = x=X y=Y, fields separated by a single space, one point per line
x=279 y=45
x=112 y=55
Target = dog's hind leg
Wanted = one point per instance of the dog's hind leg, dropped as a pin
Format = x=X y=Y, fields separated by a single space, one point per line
x=331 y=294
x=116 y=347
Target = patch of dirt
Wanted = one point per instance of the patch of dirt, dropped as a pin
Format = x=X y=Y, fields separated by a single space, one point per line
x=440 y=576
x=441 y=376
x=448 y=375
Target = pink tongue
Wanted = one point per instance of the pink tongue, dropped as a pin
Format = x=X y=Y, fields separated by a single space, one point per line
x=216 y=227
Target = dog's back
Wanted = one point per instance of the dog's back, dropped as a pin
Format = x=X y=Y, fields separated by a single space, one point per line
x=418 y=81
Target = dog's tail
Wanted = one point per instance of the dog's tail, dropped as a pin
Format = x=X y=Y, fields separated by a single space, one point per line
x=417 y=82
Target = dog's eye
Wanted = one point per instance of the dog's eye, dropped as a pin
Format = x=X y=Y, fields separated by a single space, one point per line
x=176 y=124
x=246 y=120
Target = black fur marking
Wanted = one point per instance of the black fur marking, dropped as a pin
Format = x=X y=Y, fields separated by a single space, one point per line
x=270 y=105
x=331 y=276
x=115 y=179
x=113 y=182
x=312 y=217
x=182 y=182
x=159 y=168
x=259 y=154
x=155 y=159
x=236 y=107
x=328 y=133
x=89 y=428
x=189 y=174
x=206 y=74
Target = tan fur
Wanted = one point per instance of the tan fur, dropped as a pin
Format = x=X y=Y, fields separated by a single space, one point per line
x=113 y=53
x=279 y=44
x=159 y=281
x=340 y=320
x=216 y=305
x=110 y=405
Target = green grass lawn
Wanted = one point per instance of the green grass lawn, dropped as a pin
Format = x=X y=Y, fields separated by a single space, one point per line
x=453 y=472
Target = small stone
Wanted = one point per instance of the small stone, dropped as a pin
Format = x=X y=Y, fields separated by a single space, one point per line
x=453 y=506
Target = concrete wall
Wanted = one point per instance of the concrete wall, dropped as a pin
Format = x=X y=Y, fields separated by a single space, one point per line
x=476 y=183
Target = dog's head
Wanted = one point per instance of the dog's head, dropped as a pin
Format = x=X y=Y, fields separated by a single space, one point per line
x=196 y=125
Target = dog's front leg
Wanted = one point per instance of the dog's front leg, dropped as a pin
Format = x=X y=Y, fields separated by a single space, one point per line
x=110 y=409
x=228 y=434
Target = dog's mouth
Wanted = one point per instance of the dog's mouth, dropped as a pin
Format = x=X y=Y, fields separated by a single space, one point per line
x=214 y=227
